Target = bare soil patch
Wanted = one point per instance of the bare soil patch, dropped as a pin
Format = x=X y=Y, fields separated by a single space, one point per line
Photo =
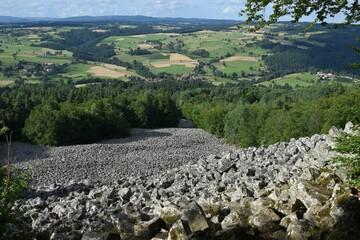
x=240 y=58
x=145 y=46
x=105 y=72
x=5 y=82
x=175 y=59
x=180 y=57
x=114 y=67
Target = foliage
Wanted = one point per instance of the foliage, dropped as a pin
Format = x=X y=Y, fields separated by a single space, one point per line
x=66 y=124
x=139 y=51
x=322 y=9
x=349 y=146
x=13 y=184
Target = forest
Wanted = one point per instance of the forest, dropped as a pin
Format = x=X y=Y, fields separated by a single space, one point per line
x=244 y=115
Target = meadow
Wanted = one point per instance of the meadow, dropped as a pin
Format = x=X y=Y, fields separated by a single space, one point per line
x=231 y=55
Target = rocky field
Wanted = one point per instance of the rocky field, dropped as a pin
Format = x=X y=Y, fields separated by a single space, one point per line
x=145 y=153
x=284 y=191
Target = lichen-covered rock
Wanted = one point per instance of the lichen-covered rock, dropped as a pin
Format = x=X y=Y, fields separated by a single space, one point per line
x=239 y=217
x=177 y=232
x=195 y=218
x=170 y=215
x=148 y=229
x=310 y=193
x=302 y=230
x=100 y=236
x=265 y=220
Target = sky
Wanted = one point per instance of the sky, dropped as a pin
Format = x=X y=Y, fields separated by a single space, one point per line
x=212 y=9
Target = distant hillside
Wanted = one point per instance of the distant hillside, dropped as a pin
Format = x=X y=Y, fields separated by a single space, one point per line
x=7 y=19
x=139 y=18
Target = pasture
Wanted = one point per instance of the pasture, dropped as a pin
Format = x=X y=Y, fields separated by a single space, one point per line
x=296 y=79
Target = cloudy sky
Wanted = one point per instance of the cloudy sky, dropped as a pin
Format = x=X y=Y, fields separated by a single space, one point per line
x=218 y=9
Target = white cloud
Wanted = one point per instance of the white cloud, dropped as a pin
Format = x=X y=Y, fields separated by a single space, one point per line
x=228 y=10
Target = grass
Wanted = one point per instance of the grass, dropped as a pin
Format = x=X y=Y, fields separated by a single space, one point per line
x=296 y=79
x=239 y=66
x=19 y=49
x=175 y=69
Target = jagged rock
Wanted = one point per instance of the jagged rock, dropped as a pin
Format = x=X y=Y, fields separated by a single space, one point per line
x=170 y=215
x=238 y=216
x=147 y=230
x=265 y=220
x=347 y=225
x=59 y=210
x=73 y=235
x=177 y=232
x=162 y=235
x=327 y=180
x=320 y=216
x=310 y=194
x=285 y=221
x=125 y=194
x=225 y=164
x=238 y=195
x=278 y=235
x=301 y=229
x=310 y=173
x=195 y=218
x=100 y=236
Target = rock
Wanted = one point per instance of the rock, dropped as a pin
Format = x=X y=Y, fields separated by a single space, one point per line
x=147 y=230
x=301 y=229
x=195 y=218
x=310 y=194
x=225 y=164
x=125 y=194
x=177 y=232
x=320 y=216
x=278 y=235
x=285 y=221
x=347 y=225
x=162 y=235
x=73 y=235
x=237 y=218
x=170 y=215
x=265 y=220
x=59 y=210
x=100 y=236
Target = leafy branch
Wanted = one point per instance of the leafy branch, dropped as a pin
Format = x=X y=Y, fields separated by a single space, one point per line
x=349 y=146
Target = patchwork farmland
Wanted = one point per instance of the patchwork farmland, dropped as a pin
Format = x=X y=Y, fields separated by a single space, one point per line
x=231 y=55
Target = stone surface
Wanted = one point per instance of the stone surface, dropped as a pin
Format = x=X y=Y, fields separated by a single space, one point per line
x=195 y=218
x=282 y=189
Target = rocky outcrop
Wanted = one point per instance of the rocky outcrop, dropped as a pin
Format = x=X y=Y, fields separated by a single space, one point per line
x=285 y=191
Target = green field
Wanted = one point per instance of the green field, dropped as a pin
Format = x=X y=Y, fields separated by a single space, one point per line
x=174 y=69
x=218 y=45
x=297 y=79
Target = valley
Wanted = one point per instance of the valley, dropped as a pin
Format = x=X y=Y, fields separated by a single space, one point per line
x=229 y=54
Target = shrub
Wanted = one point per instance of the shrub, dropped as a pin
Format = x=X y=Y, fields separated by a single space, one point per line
x=13 y=184
x=349 y=146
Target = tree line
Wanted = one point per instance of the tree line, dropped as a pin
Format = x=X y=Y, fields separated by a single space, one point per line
x=245 y=115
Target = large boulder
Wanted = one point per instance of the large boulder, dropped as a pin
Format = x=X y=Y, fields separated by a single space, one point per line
x=195 y=218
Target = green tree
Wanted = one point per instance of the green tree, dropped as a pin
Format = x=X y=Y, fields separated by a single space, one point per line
x=322 y=10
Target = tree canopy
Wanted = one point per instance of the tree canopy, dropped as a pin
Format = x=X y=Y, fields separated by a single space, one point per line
x=296 y=9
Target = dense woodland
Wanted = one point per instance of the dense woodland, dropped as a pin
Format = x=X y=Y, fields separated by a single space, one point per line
x=244 y=115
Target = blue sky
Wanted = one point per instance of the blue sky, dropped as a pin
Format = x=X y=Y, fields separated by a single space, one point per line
x=218 y=9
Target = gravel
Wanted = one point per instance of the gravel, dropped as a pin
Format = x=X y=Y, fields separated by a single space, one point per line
x=146 y=152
